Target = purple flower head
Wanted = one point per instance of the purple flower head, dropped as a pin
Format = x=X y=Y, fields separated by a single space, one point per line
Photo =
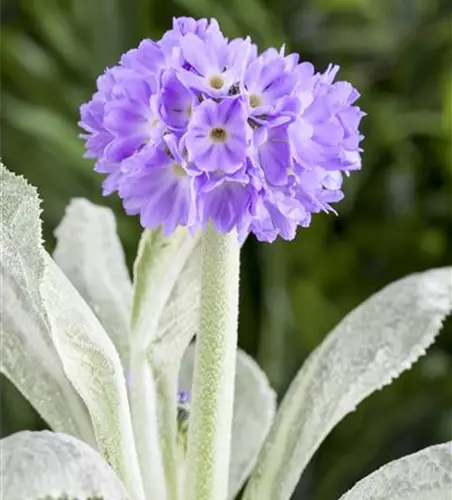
x=197 y=128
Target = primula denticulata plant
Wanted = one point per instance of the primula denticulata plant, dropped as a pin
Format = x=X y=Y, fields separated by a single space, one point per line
x=141 y=382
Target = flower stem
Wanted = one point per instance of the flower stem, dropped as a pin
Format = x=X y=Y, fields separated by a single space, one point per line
x=209 y=434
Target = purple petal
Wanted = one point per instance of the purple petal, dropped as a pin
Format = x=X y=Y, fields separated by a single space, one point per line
x=122 y=148
x=122 y=119
x=275 y=156
x=195 y=53
x=147 y=58
x=176 y=102
x=224 y=205
x=328 y=133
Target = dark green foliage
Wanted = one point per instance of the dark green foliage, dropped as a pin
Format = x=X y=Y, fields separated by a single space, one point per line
x=395 y=219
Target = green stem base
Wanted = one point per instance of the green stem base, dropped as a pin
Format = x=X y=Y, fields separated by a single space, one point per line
x=209 y=435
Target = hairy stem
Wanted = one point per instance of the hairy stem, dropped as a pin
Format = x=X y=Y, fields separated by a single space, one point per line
x=209 y=435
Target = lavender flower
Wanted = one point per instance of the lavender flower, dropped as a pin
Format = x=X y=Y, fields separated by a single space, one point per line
x=183 y=409
x=197 y=128
x=218 y=136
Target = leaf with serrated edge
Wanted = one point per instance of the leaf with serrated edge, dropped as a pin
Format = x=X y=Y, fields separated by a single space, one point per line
x=28 y=356
x=373 y=345
x=425 y=475
x=90 y=254
x=47 y=464
x=165 y=316
x=92 y=364
x=254 y=408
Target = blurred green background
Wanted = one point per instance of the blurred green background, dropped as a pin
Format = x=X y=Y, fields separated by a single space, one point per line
x=394 y=220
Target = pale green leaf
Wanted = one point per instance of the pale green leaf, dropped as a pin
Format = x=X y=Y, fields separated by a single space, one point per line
x=90 y=254
x=92 y=364
x=180 y=316
x=254 y=408
x=373 y=345
x=150 y=429
x=157 y=269
x=165 y=314
x=28 y=357
x=38 y=465
x=425 y=475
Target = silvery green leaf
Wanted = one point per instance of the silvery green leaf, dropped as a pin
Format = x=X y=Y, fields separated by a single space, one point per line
x=373 y=345
x=425 y=475
x=180 y=316
x=41 y=465
x=28 y=356
x=92 y=364
x=165 y=316
x=254 y=408
x=90 y=254
x=160 y=305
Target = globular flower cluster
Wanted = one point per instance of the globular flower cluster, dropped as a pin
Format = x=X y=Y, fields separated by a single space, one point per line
x=197 y=128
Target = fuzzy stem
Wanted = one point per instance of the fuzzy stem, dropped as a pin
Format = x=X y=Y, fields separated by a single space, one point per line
x=209 y=435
